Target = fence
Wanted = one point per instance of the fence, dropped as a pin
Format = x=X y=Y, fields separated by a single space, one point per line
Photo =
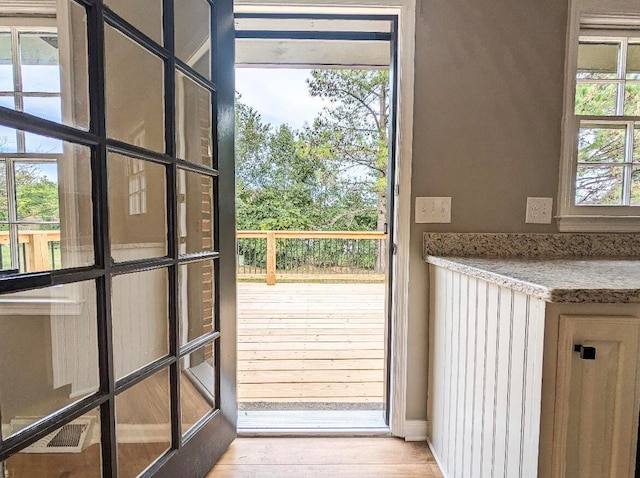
x=38 y=251
x=311 y=255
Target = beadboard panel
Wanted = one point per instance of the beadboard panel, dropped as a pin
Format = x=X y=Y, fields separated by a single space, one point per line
x=486 y=346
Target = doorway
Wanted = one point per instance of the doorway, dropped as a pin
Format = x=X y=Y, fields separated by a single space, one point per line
x=314 y=208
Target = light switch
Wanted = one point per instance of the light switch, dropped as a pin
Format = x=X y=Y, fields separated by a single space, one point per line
x=433 y=210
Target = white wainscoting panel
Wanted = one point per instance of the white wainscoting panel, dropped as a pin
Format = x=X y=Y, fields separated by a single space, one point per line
x=485 y=377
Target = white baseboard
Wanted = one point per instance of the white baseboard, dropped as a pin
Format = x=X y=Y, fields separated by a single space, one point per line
x=415 y=430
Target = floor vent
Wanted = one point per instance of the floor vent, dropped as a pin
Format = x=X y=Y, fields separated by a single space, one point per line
x=71 y=438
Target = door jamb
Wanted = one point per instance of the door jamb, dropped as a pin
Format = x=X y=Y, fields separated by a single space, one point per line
x=406 y=12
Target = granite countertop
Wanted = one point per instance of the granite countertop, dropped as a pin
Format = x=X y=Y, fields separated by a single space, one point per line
x=573 y=280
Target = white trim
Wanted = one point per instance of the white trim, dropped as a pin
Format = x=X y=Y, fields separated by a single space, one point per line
x=598 y=223
x=415 y=430
x=406 y=10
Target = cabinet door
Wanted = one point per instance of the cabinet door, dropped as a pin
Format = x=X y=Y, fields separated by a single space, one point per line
x=596 y=419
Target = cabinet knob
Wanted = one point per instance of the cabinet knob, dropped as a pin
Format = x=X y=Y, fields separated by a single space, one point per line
x=586 y=353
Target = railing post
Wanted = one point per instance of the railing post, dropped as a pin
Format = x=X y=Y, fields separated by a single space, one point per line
x=271 y=258
x=37 y=253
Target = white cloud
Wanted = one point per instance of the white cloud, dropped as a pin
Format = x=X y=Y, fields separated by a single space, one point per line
x=280 y=95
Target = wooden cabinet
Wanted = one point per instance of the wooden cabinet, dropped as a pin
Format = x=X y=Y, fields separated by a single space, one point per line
x=510 y=397
x=596 y=413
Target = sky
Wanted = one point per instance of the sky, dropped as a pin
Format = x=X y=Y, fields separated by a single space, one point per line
x=280 y=95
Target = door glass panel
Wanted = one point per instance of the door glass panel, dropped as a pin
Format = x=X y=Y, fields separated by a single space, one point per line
x=145 y=15
x=146 y=405
x=193 y=34
x=52 y=212
x=6 y=63
x=598 y=61
x=51 y=70
x=636 y=143
x=8 y=140
x=196 y=286
x=632 y=100
x=197 y=385
x=73 y=450
x=49 y=353
x=193 y=121
x=195 y=212
x=142 y=86
x=635 y=186
x=140 y=312
x=37 y=144
x=137 y=206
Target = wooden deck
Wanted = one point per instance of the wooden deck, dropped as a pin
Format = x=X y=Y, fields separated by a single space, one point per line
x=311 y=342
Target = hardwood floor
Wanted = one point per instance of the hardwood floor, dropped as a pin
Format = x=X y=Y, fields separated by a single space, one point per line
x=311 y=342
x=326 y=457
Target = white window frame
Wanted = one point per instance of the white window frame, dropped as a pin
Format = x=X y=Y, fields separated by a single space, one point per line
x=592 y=218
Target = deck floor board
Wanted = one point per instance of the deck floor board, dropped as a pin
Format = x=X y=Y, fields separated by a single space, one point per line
x=311 y=342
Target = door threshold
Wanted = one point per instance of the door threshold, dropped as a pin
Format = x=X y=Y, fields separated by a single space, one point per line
x=312 y=423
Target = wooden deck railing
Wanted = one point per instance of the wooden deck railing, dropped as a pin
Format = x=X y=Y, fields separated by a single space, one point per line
x=265 y=255
x=311 y=255
x=38 y=250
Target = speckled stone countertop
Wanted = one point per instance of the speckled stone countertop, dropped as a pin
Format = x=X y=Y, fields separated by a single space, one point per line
x=573 y=268
x=556 y=280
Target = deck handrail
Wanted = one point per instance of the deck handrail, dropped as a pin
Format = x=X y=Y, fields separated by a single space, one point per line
x=271 y=249
x=39 y=256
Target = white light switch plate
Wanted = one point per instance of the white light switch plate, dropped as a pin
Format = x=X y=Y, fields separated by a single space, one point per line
x=539 y=210
x=433 y=210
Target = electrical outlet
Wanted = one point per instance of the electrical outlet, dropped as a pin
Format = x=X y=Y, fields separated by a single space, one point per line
x=539 y=210
x=433 y=210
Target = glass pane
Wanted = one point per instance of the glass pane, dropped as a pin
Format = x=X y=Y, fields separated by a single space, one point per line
x=632 y=100
x=35 y=143
x=54 y=207
x=140 y=320
x=145 y=15
x=196 y=285
x=633 y=62
x=6 y=63
x=636 y=144
x=49 y=353
x=145 y=406
x=195 y=212
x=635 y=187
x=134 y=76
x=601 y=144
x=197 y=385
x=39 y=62
x=193 y=122
x=597 y=60
x=8 y=140
x=71 y=451
x=193 y=34
x=44 y=107
x=599 y=185
x=7 y=101
x=138 y=211
x=596 y=99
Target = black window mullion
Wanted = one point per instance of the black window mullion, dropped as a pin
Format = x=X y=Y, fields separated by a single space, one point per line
x=172 y=220
x=102 y=243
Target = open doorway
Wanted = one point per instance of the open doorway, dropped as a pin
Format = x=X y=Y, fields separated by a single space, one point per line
x=314 y=115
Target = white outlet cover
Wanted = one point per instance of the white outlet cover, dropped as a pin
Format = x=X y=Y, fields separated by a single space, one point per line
x=431 y=210
x=539 y=210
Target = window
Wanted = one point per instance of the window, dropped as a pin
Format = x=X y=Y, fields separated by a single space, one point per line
x=601 y=173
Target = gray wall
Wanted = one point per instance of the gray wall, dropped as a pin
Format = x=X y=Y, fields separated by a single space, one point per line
x=489 y=81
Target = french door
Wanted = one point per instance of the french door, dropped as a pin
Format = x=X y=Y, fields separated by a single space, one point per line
x=117 y=237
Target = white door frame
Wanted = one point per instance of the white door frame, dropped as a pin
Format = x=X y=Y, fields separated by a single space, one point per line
x=405 y=9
